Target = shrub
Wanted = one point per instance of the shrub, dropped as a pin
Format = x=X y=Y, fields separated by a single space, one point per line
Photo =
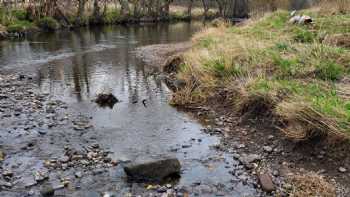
x=48 y=24
x=20 y=26
x=15 y=28
x=111 y=17
x=20 y=14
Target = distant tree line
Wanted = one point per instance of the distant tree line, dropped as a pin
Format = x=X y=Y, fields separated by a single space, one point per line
x=96 y=9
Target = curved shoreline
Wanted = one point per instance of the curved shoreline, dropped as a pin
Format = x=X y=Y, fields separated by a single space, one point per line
x=281 y=157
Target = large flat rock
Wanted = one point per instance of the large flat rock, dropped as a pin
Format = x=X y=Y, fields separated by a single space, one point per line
x=153 y=171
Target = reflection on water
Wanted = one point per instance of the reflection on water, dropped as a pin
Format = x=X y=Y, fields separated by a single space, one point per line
x=76 y=65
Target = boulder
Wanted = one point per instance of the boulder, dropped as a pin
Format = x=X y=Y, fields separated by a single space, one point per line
x=106 y=100
x=153 y=171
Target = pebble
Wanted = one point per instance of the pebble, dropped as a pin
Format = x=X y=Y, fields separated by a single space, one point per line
x=268 y=149
x=342 y=170
x=78 y=174
x=7 y=173
x=5 y=184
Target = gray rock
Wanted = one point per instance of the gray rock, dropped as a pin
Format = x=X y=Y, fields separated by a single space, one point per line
x=248 y=159
x=64 y=159
x=266 y=182
x=109 y=194
x=78 y=174
x=28 y=181
x=153 y=170
x=342 y=169
x=47 y=191
x=268 y=149
x=5 y=184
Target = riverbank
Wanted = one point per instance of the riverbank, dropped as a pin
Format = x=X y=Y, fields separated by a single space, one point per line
x=240 y=81
x=19 y=22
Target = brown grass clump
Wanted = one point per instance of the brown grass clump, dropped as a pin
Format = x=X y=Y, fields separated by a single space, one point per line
x=311 y=184
x=340 y=40
x=335 y=6
x=256 y=105
x=304 y=122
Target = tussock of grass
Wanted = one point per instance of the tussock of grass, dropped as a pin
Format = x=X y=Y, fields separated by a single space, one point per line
x=290 y=70
x=311 y=184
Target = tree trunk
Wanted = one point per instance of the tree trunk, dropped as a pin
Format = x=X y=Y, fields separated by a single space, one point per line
x=125 y=10
x=189 y=9
x=205 y=7
x=240 y=9
x=81 y=11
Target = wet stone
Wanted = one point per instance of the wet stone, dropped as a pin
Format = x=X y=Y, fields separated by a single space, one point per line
x=7 y=173
x=154 y=170
x=266 y=182
x=78 y=174
x=5 y=184
x=47 y=191
x=28 y=181
x=342 y=170
x=268 y=149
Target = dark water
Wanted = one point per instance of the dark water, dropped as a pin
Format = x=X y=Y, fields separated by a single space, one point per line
x=75 y=66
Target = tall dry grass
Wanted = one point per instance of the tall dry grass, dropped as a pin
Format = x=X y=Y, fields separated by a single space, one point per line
x=334 y=6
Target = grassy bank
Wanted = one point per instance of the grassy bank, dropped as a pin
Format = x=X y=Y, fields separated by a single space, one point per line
x=20 y=21
x=297 y=73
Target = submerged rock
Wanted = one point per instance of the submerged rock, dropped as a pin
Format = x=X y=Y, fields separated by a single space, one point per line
x=47 y=191
x=153 y=171
x=106 y=100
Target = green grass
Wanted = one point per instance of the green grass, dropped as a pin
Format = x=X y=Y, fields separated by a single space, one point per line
x=329 y=71
x=322 y=98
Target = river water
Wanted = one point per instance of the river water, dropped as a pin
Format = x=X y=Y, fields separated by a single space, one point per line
x=74 y=66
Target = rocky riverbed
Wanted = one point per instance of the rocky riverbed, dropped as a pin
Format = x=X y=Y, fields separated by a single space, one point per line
x=49 y=150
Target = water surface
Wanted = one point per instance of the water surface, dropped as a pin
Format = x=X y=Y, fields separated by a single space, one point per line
x=75 y=66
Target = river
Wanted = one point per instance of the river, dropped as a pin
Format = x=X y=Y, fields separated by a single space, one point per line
x=74 y=66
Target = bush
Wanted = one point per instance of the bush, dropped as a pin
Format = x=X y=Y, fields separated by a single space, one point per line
x=20 y=26
x=15 y=28
x=20 y=14
x=111 y=17
x=48 y=24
